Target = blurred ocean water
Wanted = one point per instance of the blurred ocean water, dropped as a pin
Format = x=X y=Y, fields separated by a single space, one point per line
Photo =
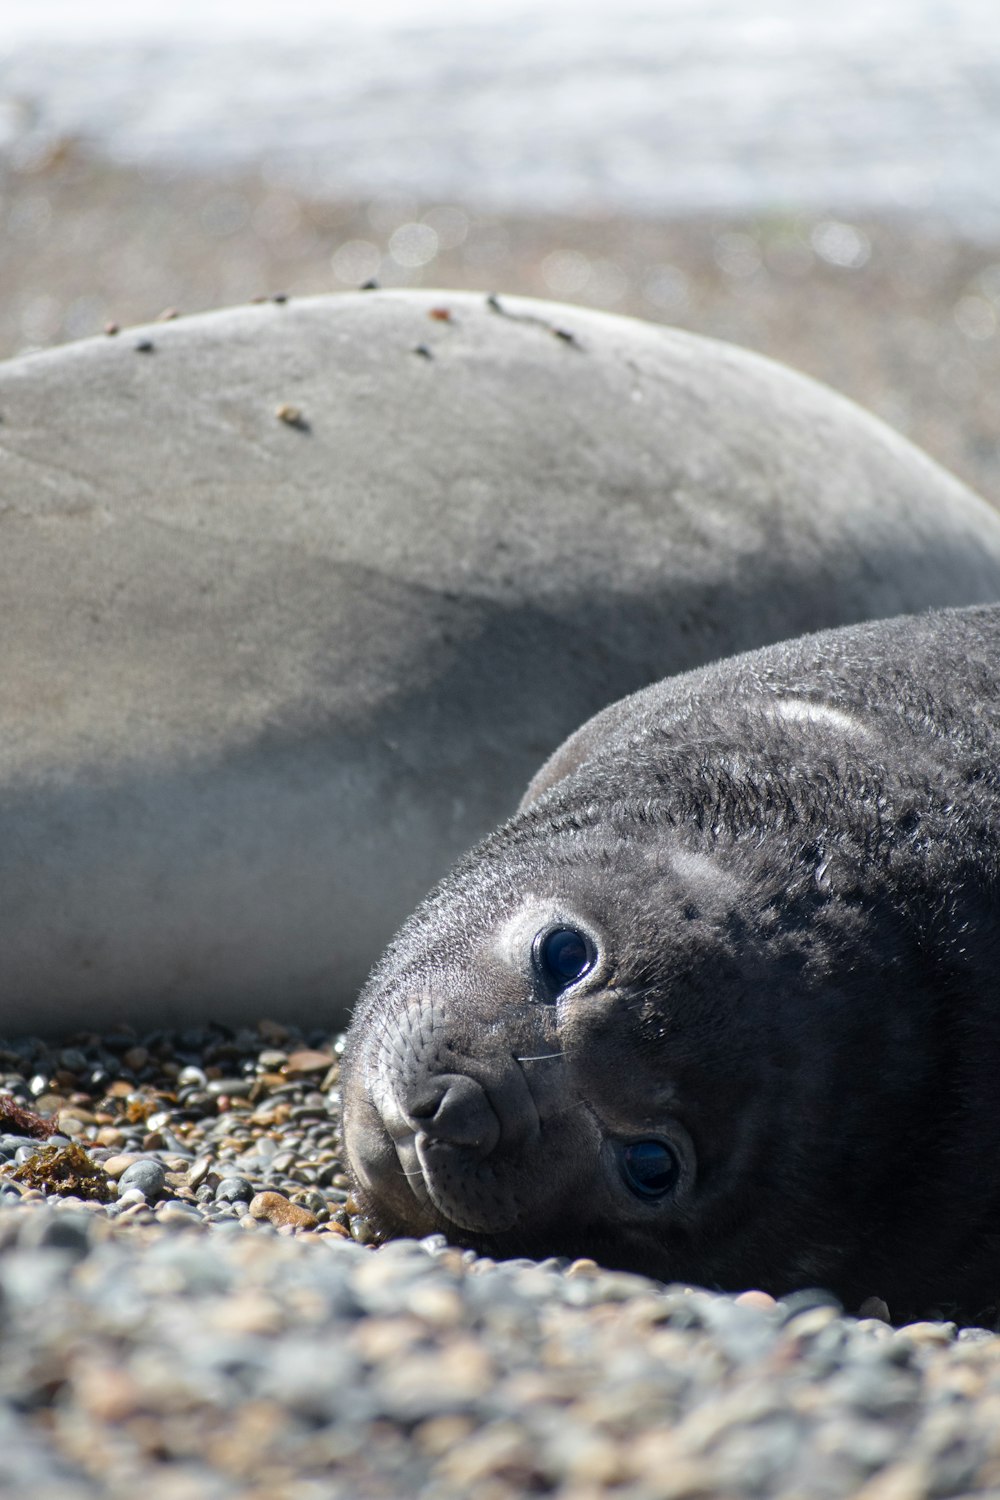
x=648 y=106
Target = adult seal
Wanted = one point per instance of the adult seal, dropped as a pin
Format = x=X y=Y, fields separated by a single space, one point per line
x=720 y=1002
x=297 y=596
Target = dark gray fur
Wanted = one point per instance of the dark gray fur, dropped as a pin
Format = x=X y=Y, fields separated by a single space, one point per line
x=789 y=865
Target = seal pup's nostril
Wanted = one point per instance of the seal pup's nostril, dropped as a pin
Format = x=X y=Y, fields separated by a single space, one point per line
x=455 y=1111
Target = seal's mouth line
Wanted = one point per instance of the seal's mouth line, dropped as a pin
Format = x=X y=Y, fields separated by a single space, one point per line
x=412 y=1169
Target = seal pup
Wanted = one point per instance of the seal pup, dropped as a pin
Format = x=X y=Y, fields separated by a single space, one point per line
x=720 y=1003
x=292 y=611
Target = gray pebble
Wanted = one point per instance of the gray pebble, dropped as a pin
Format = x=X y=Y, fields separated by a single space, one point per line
x=147 y=1175
x=236 y=1088
x=11 y=1143
x=234 y=1189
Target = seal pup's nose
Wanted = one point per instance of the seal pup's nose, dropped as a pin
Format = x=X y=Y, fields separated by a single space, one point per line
x=454 y=1110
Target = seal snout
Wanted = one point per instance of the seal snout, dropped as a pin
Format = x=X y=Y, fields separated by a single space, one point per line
x=454 y=1111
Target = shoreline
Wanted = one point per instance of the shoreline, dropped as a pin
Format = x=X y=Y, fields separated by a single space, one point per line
x=900 y=315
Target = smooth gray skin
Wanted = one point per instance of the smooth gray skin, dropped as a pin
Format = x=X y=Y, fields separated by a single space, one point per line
x=263 y=682
x=782 y=873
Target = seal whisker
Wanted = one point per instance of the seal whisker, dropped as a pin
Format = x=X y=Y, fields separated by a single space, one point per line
x=542 y=1056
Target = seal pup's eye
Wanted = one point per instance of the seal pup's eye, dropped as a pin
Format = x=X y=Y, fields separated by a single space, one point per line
x=650 y=1168
x=562 y=956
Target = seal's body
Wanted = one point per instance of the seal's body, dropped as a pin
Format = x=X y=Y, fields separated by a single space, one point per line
x=720 y=1003
x=297 y=597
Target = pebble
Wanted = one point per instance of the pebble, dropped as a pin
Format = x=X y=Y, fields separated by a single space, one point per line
x=146 y=1175
x=277 y=1209
x=233 y=1190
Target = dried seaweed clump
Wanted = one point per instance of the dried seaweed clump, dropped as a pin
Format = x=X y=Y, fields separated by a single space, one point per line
x=66 y=1170
x=19 y=1120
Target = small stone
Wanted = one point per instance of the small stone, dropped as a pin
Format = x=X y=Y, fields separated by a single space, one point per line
x=107 y=1392
x=177 y=1214
x=167 y=315
x=875 y=1307
x=70 y=1230
x=927 y=1333
x=234 y=1190
x=230 y=1088
x=144 y=346
x=128 y=1198
x=136 y=1058
x=249 y=1312
x=290 y=415
x=146 y=1175
x=276 y=1209
x=198 y=1171
x=191 y=1077
x=116 y=1165
x=584 y=1267
x=755 y=1298
x=271 y=1059
x=11 y=1144
x=111 y=329
x=308 y=1060
x=906 y=1480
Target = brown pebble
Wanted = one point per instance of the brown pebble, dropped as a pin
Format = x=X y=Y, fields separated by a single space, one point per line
x=927 y=1333
x=486 y=1453
x=441 y=314
x=439 y=1434
x=755 y=1299
x=288 y=413
x=111 y=329
x=116 y=1165
x=167 y=315
x=583 y=1267
x=903 y=1480
x=336 y=1230
x=247 y=1312
x=107 y=1392
x=136 y=1058
x=108 y=1135
x=271 y=1114
x=307 y=1060
x=276 y=1209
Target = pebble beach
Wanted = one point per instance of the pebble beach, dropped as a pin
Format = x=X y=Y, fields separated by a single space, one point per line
x=191 y=1310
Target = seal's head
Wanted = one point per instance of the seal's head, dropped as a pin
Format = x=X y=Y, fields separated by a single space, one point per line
x=694 y=1033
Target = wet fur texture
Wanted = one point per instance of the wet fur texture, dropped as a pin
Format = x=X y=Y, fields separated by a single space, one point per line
x=790 y=866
